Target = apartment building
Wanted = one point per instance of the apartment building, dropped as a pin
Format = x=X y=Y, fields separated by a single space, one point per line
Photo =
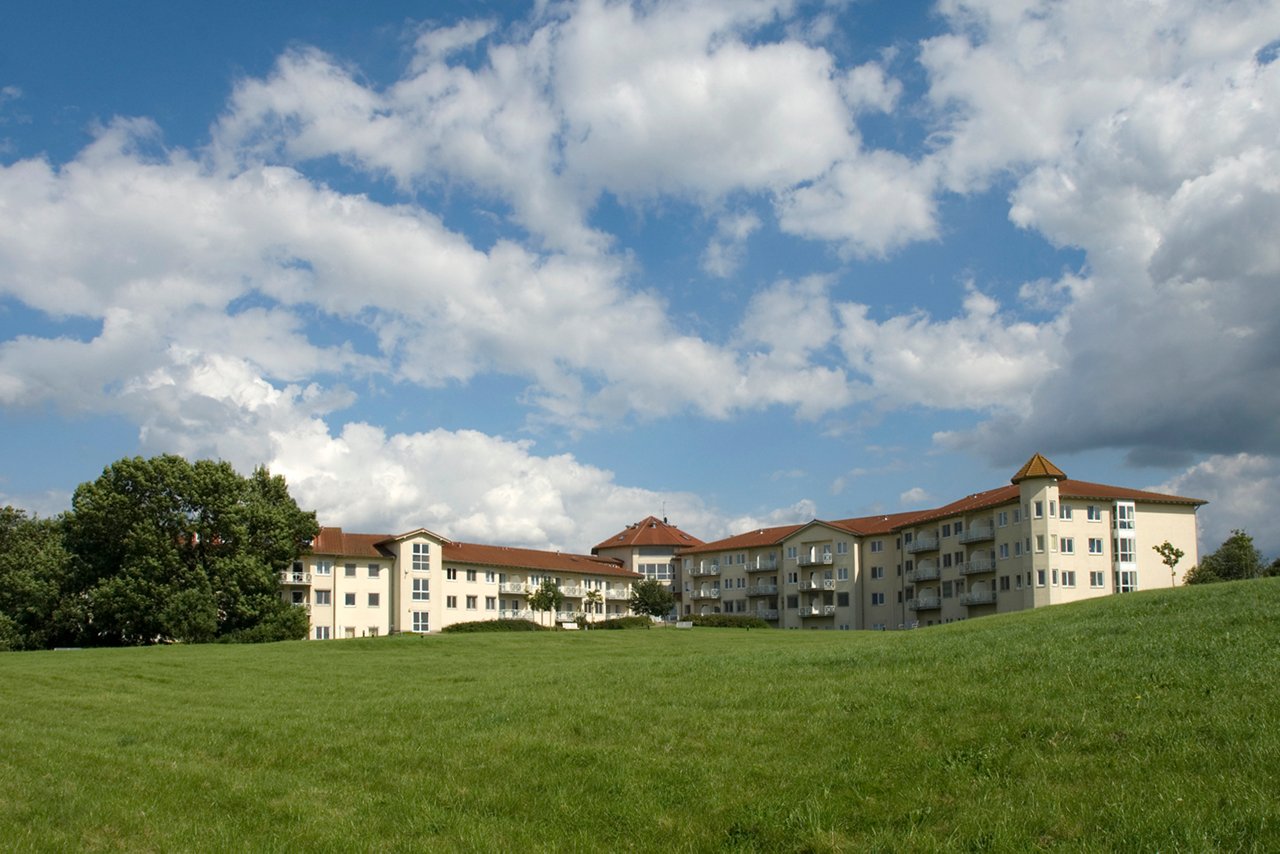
x=1041 y=540
x=649 y=548
x=360 y=585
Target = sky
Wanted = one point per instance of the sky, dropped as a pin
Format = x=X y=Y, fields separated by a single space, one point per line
x=525 y=273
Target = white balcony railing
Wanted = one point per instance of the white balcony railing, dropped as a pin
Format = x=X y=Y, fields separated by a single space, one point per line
x=702 y=571
x=922 y=543
x=617 y=593
x=817 y=610
x=767 y=613
x=518 y=587
x=295 y=577
x=762 y=590
x=817 y=584
x=923 y=573
x=566 y=616
x=924 y=603
x=978 y=564
x=706 y=593
x=762 y=566
x=573 y=592
x=518 y=614
x=978 y=597
x=978 y=534
x=824 y=559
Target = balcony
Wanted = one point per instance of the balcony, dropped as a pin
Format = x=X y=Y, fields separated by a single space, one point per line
x=705 y=593
x=817 y=610
x=615 y=593
x=763 y=566
x=924 y=603
x=518 y=614
x=922 y=543
x=978 y=534
x=926 y=571
x=762 y=590
x=566 y=616
x=518 y=587
x=573 y=592
x=767 y=613
x=976 y=565
x=295 y=578
x=817 y=584
x=304 y=605
x=703 y=571
x=825 y=559
x=978 y=597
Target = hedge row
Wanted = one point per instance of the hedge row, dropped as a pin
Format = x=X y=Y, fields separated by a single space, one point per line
x=494 y=626
x=624 y=623
x=726 y=621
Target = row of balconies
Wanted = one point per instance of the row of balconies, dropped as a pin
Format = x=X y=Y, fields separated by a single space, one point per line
x=929 y=602
x=703 y=571
x=762 y=590
x=824 y=559
x=520 y=588
x=928 y=570
x=817 y=610
x=817 y=584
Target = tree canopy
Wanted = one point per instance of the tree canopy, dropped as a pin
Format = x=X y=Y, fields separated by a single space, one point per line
x=651 y=597
x=548 y=597
x=1235 y=559
x=157 y=550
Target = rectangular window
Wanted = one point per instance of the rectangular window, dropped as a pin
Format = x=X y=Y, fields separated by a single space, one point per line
x=421 y=590
x=877 y=598
x=322 y=632
x=1066 y=513
x=324 y=567
x=1004 y=551
x=842 y=599
x=451 y=601
x=1039 y=578
x=1068 y=578
x=421 y=621
x=877 y=546
x=793 y=577
x=1067 y=545
x=490 y=576
x=1039 y=543
x=793 y=601
x=1002 y=518
x=842 y=548
x=471 y=575
x=946 y=560
x=1125 y=550
x=1017 y=515
x=877 y=572
x=1004 y=582
x=842 y=573
x=375 y=600
x=1017 y=581
x=959 y=528
x=1124 y=517
x=1055 y=578
x=1095 y=545
x=946 y=590
x=946 y=530
x=1017 y=549
x=1126 y=581
x=471 y=603
x=1053 y=509
x=1093 y=513
x=421 y=557
x=373 y=570
x=451 y=575
x=349 y=570
x=1097 y=579
x=324 y=597
x=490 y=603
x=1053 y=542
x=791 y=552
x=349 y=600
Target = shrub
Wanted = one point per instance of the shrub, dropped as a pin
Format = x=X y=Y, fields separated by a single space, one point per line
x=494 y=626
x=624 y=623
x=727 y=621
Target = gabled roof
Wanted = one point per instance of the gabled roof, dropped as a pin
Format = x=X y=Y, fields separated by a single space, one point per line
x=650 y=531
x=749 y=540
x=335 y=542
x=504 y=556
x=1038 y=466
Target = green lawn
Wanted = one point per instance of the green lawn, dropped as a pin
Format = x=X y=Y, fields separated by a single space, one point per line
x=1142 y=722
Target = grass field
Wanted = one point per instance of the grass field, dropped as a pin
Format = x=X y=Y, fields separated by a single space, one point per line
x=1141 y=722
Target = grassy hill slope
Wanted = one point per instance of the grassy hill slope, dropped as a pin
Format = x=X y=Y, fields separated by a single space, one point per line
x=1140 y=722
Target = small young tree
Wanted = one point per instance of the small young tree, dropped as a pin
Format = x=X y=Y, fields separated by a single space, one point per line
x=652 y=598
x=592 y=599
x=1170 y=556
x=547 y=597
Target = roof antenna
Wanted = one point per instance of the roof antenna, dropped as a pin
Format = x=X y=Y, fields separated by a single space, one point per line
x=664 y=512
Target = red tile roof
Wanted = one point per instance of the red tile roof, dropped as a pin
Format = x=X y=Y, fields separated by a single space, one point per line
x=1038 y=466
x=749 y=540
x=472 y=553
x=333 y=541
x=650 y=531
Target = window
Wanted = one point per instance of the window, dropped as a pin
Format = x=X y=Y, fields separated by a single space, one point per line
x=421 y=557
x=490 y=576
x=842 y=548
x=490 y=603
x=451 y=575
x=959 y=528
x=1093 y=513
x=471 y=602
x=1017 y=549
x=877 y=598
x=793 y=577
x=1067 y=545
x=1039 y=578
x=1004 y=582
x=1055 y=578
x=1017 y=515
x=1095 y=545
x=842 y=599
x=1065 y=514
x=793 y=601
x=1039 y=543
x=1126 y=581
x=842 y=573
x=946 y=560
x=324 y=597
x=1068 y=578
x=324 y=567
x=1017 y=581
x=451 y=601
x=1053 y=542
x=877 y=572
x=349 y=570
x=1053 y=509
x=373 y=570
x=421 y=590
x=349 y=600
x=1097 y=579
x=471 y=575
x=877 y=546
x=791 y=552
x=421 y=621
x=1125 y=550
x=946 y=530
x=322 y=632
x=375 y=600
x=1004 y=551
x=1002 y=518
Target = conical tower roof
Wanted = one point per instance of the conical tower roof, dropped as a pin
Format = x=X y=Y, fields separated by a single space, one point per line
x=1038 y=466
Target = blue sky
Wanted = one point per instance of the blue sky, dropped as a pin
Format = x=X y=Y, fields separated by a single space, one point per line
x=525 y=273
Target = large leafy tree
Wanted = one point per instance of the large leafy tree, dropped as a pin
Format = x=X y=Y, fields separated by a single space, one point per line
x=1237 y=558
x=548 y=597
x=650 y=597
x=34 y=613
x=165 y=549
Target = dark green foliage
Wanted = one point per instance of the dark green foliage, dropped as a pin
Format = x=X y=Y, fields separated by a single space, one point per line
x=155 y=550
x=727 y=621
x=33 y=571
x=1235 y=560
x=624 y=623
x=493 y=626
x=650 y=597
x=547 y=597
